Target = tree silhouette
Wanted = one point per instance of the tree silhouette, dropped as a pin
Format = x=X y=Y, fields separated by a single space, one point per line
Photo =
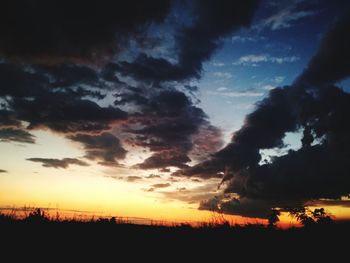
x=273 y=218
x=307 y=217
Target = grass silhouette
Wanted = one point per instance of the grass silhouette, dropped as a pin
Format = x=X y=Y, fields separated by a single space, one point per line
x=38 y=231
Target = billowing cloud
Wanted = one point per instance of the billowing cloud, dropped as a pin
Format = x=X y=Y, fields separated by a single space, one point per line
x=242 y=206
x=331 y=63
x=58 y=98
x=273 y=117
x=195 y=43
x=165 y=159
x=318 y=170
x=80 y=31
x=72 y=65
x=166 y=123
x=8 y=119
x=58 y=163
x=62 y=112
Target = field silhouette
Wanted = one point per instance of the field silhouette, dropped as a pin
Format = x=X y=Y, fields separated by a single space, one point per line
x=37 y=233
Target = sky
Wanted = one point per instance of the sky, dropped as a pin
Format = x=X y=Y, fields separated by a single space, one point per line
x=175 y=109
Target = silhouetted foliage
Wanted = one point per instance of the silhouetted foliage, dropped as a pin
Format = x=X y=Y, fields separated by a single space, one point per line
x=273 y=218
x=61 y=236
x=308 y=218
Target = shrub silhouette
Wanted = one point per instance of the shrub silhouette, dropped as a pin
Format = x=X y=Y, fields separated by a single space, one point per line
x=37 y=216
x=107 y=221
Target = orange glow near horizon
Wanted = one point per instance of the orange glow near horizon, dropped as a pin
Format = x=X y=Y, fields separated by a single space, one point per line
x=97 y=190
x=101 y=196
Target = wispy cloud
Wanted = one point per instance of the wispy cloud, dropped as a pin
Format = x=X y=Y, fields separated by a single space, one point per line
x=244 y=106
x=218 y=64
x=222 y=89
x=157 y=186
x=245 y=39
x=224 y=75
x=236 y=94
x=268 y=87
x=58 y=163
x=152 y=176
x=194 y=195
x=255 y=59
x=161 y=185
x=279 y=79
x=132 y=178
x=284 y=18
x=11 y=134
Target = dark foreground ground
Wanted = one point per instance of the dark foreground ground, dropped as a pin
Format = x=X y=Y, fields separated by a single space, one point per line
x=103 y=239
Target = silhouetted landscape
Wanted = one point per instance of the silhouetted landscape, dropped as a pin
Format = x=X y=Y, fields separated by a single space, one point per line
x=108 y=235
x=162 y=128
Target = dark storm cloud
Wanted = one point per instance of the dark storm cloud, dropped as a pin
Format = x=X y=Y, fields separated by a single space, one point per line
x=25 y=80
x=263 y=128
x=105 y=147
x=331 y=63
x=16 y=135
x=56 y=97
x=165 y=124
x=165 y=159
x=62 y=30
x=315 y=171
x=3 y=171
x=284 y=110
x=59 y=94
x=195 y=43
x=8 y=119
x=243 y=206
x=62 y=112
x=66 y=75
x=18 y=81
x=211 y=168
x=58 y=163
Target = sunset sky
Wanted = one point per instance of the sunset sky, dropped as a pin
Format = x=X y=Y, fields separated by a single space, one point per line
x=170 y=110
